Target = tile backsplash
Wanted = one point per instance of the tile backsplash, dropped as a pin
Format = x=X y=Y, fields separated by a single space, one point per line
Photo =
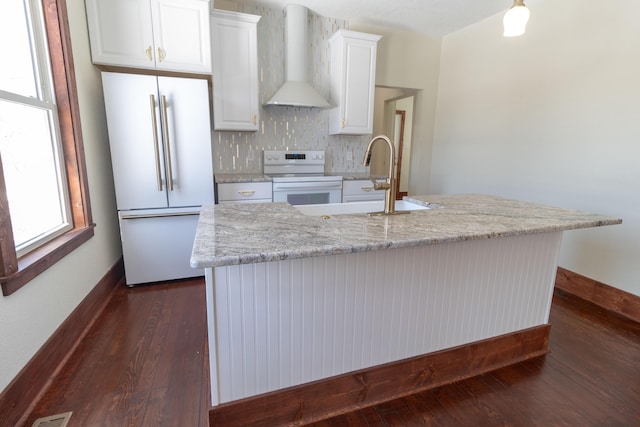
x=289 y=128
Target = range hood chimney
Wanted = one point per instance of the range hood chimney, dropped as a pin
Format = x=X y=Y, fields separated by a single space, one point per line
x=296 y=91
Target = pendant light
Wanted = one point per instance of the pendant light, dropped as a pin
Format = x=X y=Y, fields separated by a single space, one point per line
x=515 y=20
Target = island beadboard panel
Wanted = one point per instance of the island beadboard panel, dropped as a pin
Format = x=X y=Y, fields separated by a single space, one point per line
x=289 y=128
x=285 y=323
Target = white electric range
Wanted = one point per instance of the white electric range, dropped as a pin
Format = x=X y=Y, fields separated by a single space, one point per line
x=299 y=177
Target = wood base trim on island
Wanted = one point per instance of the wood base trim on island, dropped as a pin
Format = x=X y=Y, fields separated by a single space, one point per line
x=18 y=398
x=605 y=296
x=327 y=398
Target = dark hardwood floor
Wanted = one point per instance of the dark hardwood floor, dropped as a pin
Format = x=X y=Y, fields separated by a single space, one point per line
x=144 y=364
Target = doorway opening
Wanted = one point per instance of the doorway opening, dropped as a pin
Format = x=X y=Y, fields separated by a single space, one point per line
x=393 y=116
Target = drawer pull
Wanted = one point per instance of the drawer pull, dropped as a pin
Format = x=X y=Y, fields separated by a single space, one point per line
x=366 y=188
x=246 y=193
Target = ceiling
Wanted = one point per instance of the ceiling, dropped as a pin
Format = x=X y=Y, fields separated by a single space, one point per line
x=431 y=17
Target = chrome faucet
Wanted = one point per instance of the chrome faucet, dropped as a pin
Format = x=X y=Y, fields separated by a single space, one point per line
x=389 y=186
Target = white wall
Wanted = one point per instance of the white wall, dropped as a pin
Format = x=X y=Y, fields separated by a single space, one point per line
x=410 y=60
x=29 y=316
x=553 y=117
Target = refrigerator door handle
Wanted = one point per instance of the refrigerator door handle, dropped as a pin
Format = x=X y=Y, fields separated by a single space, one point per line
x=156 y=147
x=167 y=149
x=158 y=215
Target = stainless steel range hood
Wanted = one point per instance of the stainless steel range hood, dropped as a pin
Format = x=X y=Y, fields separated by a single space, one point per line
x=296 y=91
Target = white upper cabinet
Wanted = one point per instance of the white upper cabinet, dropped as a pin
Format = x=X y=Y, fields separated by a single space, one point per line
x=168 y=35
x=353 y=78
x=235 y=71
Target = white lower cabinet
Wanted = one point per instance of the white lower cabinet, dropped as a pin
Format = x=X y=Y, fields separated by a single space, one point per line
x=360 y=191
x=245 y=192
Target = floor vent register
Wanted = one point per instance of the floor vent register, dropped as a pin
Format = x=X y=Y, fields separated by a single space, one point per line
x=59 y=420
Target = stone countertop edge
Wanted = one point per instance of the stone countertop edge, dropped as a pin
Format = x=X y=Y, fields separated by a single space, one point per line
x=234 y=233
x=232 y=178
x=356 y=176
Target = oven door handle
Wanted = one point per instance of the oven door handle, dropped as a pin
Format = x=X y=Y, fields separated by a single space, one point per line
x=311 y=186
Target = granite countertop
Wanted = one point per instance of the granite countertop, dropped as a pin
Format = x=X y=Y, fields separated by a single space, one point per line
x=227 y=178
x=249 y=233
x=354 y=176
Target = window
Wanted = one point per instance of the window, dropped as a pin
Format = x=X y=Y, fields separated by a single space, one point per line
x=44 y=203
x=30 y=145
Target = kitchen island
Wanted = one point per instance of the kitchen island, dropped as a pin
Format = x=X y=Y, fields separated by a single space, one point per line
x=310 y=316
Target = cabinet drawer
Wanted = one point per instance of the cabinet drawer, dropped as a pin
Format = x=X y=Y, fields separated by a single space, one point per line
x=239 y=191
x=360 y=190
x=157 y=243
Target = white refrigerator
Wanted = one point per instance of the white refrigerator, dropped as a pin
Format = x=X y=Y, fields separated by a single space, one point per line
x=160 y=141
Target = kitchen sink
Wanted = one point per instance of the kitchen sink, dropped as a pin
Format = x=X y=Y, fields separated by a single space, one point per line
x=357 y=208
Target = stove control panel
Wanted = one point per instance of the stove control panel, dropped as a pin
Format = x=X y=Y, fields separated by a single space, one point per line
x=304 y=157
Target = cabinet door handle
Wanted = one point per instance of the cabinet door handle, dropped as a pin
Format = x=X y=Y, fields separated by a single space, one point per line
x=366 y=188
x=148 y=51
x=161 y=54
x=254 y=119
x=156 y=147
x=343 y=123
x=167 y=144
x=246 y=193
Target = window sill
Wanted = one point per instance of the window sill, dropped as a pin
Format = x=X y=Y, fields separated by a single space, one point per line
x=37 y=261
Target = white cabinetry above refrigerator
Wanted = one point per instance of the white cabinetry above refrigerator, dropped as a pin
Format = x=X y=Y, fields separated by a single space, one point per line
x=168 y=35
x=160 y=140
